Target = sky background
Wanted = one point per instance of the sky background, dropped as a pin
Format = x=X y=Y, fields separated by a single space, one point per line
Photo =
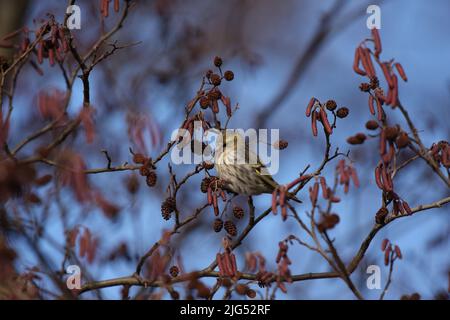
x=261 y=41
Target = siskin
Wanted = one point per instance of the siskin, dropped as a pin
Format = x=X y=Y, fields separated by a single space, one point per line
x=241 y=169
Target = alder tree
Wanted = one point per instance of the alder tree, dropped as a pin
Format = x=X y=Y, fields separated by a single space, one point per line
x=56 y=172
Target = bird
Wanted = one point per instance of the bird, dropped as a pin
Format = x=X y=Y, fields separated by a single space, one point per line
x=240 y=175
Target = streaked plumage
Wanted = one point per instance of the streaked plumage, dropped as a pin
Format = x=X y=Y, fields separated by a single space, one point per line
x=243 y=177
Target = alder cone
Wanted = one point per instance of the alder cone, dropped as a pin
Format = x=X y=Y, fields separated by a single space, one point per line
x=342 y=112
x=139 y=158
x=281 y=144
x=251 y=293
x=241 y=289
x=205 y=184
x=365 y=87
x=144 y=171
x=374 y=83
x=217 y=225
x=151 y=179
x=359 y=138
x=238 y=212
x=215 y=79
x=228 y=75
x=331 y=105
x=218 y=61
x=328 y=221
x=381 y=215
x=230 y=228
x=174 y=271
x=167 y=207
x=391 y=132
x=372 y=125
x=402 y=140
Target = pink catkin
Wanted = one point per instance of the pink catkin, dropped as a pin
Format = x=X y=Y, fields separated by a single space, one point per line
x=401 y=71
x=326 y=124
x=314 y=123
x=274 y=201
x=378 y=177
x=323 y=184
x=371 y=107
x=377 y=41
x=387 y=74
x=309 y=107
x=356 y=63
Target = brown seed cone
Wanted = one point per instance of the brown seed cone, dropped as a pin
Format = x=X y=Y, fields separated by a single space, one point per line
x=391 y=132
x=281 y=144
x=372 y=125
x=353 y=140
x=205 y=184
x=328 y=221
x=217 y=225
x=151 y=178
x=139 y=158
x=215 y=79
x=166 y=213
x=167 y=207
x=374 y=83
x=241 y=289
x=331 y=105
x=174 y=271
x=342 y=112
x=251 y=293
x=230 y=228
x=228 y=75
x=359 y=138
x=402 y=140
x=144 y=171
x=218 y=61
x=381 y=215
x=364 y=87
x=238 y=212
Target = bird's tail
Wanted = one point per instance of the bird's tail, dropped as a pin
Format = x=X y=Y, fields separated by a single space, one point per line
x=292 y=197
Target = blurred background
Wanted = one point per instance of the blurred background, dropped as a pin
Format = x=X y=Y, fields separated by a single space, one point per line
x=282 y=53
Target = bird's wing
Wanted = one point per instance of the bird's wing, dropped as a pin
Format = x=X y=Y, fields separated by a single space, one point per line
x=262 y=171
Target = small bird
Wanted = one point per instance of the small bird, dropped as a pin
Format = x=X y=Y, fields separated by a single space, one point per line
x=238 y=173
